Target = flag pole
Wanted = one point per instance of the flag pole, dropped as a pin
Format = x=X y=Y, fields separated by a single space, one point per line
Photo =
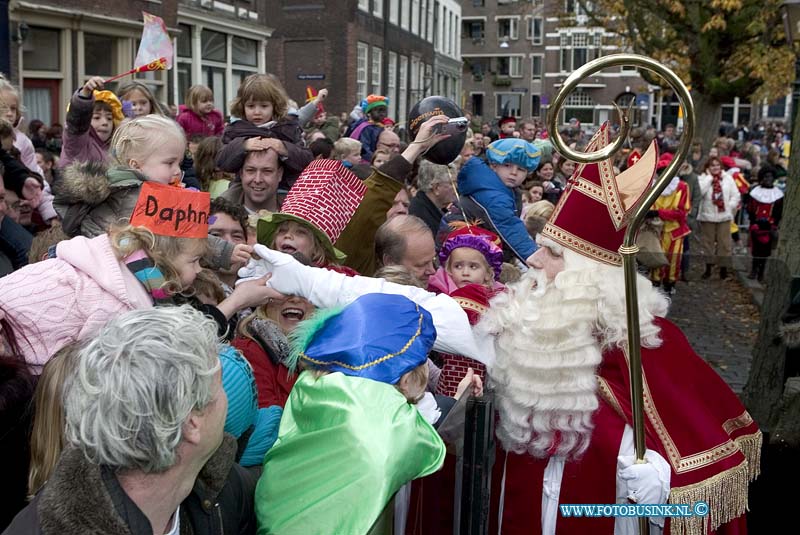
x=156 y=65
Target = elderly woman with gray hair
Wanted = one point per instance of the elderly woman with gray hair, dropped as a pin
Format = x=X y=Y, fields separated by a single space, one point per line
x=145 y=412
x=436 y=190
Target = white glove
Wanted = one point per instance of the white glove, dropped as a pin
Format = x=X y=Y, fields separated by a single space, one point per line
x=326 y=289
x=646 y=482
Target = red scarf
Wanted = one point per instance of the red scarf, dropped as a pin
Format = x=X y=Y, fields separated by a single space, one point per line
x=717 y=197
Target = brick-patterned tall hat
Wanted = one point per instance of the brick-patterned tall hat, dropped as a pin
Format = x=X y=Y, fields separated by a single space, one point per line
x=324 y=198
x=596 y=206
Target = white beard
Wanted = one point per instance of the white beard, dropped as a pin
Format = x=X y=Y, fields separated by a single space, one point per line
x=548 y=345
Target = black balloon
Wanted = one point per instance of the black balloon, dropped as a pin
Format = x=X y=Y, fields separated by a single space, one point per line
x=448 y=149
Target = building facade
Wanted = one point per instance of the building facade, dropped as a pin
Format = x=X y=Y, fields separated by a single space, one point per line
x=404 y=49
x=447 y=48
x=57 y=44
x=517 y=54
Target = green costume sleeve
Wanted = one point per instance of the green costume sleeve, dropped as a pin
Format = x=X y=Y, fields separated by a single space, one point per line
x=345 y=446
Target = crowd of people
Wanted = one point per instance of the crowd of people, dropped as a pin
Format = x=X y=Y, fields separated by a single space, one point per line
x=259 y=322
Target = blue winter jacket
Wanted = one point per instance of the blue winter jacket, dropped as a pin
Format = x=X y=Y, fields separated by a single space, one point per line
x=478 y=185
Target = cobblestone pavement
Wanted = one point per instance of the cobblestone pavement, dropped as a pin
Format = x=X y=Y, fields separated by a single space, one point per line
x=720 y=320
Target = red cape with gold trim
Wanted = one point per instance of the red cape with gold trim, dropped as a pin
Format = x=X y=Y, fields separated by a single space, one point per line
x=693 y=419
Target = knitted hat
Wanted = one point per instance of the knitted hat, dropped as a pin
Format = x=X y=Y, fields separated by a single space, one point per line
x=373 y=101
x=239 y=384
x=516 y=151
x=377 y=336
x=482 y=240
x=324 y=198
x=243 y=414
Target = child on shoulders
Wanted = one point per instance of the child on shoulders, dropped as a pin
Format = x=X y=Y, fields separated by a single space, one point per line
x=261 y=123
x=490 y=192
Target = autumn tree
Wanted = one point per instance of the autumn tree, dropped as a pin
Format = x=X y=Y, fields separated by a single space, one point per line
x=721 y=48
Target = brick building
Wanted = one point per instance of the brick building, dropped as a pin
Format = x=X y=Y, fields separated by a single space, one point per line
x=517 y=53
x=57 y=44
x=405 y=49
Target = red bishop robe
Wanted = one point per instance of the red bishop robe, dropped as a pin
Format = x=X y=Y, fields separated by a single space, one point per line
x=693 y=420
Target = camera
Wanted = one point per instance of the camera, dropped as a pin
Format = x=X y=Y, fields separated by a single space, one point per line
x=453 y=126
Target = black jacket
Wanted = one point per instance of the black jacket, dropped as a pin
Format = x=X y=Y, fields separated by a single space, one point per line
x=422 y=207
x=82 y=497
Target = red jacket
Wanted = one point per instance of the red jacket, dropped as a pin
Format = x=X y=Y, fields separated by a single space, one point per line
x=273 y=381
x=194 y=125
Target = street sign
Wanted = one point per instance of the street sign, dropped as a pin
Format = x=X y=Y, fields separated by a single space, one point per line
x=519 y=89
x=310 y=76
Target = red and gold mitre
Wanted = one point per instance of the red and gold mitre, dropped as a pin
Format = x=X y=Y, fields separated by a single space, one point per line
x=596 y=206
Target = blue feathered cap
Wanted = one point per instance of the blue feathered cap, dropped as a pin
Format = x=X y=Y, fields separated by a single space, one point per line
x=377 y=336
x=516 y=151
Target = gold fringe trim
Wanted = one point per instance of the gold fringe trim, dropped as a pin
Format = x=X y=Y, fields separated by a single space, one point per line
x=725 y=494
x=751 y=448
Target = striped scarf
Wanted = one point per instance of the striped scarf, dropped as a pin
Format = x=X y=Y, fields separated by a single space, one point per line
x=150 y=276
x=716 y=196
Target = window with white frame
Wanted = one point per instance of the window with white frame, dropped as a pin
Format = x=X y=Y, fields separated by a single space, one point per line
x=377 y=65
x=415 y=16
x=405 y=6
x=363 y=5
x=536 y=30
x=508 y=105
x=509 y=66
x=377 y=8
x=577 y=49
x=100 y=54
x=402 y=88
x=394 y=14
x=579 y=105
x=537 y=66
x=508 y=28
x=473 y=29
x=391 y=84
x=362 y=50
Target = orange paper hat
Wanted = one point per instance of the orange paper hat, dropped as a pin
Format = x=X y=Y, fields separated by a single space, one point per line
x=170 y=211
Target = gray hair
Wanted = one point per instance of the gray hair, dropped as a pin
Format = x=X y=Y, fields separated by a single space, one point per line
x=136 y=384
x=430 y=174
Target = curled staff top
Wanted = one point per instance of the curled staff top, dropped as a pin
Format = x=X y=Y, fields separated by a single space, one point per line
x=686 y=138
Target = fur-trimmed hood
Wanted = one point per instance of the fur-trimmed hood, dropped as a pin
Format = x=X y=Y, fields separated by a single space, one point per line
x=91 y=183
x=91 y=197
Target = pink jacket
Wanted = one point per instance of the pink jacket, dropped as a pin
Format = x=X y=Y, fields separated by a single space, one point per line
x=27 y=153
x=52 y=303
x=194 y=125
